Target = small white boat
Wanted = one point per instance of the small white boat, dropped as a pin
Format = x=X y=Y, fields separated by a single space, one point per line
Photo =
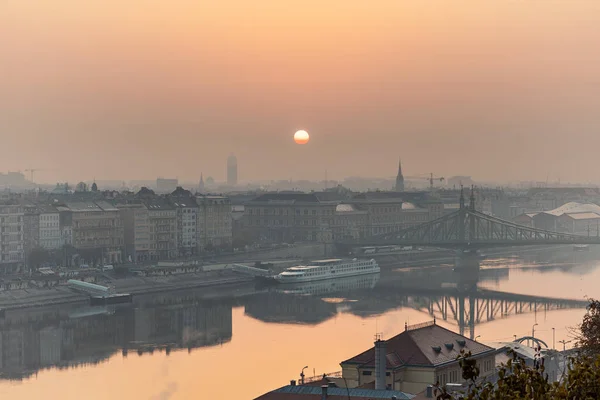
x=581 y=247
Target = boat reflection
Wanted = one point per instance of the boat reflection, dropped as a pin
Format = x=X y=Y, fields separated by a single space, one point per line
x=330 y=286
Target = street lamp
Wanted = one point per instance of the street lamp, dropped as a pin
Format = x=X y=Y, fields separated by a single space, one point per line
x=302 y=375
x=553 y=337
x=533 y=330
x=564 y=343
x=515 y=337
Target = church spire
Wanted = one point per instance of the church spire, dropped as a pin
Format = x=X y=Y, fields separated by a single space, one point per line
x=399 y=178
x=201 y=184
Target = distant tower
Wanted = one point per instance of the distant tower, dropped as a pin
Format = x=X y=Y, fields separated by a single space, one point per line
x=201 y=184
x=400 y=178
x=232 y=171
x=94 y=187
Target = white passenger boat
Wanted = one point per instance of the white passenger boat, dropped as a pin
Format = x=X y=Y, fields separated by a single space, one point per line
x=581 y=247
x=327 y=269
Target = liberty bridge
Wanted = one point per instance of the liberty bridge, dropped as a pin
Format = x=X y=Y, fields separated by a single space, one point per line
x=468 y=229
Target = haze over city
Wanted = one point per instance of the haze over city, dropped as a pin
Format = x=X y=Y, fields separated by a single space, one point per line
x=135 y=90
x=299 y=199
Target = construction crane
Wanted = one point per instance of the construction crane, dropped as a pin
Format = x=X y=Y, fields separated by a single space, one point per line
x=431 y=178
x=32 y=171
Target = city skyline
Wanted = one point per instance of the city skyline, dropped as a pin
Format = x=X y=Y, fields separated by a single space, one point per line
x=502 y=91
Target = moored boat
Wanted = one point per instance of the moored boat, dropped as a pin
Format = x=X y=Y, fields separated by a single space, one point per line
x=327 y=269
x=581 y=247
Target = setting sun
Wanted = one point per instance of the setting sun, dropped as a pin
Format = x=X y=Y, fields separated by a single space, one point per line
x=301 y=137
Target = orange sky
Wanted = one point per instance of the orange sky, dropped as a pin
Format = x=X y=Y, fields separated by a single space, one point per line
x=136 y=89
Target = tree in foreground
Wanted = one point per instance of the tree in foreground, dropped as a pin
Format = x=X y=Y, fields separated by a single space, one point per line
x=516 y=380
x=588 y=335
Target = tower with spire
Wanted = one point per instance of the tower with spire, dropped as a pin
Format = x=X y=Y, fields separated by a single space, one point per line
x=201 y=184
x=399 y=178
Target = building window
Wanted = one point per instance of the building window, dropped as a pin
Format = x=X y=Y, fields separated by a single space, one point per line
x=454 y=376
x=367 y=373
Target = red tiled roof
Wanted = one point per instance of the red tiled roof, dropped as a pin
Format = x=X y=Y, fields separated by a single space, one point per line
x=429 y=346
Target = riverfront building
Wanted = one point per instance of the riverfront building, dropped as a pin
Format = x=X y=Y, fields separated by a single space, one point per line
x=420 y=356
x=11 y=237
x=49 y=228
x=572 y=217
x=214 y=226
x=96 y=230
x=136 y=223
x=187 y=221
x=162 y=219
x=288 y=217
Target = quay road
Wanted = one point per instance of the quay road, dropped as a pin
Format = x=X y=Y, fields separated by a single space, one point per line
x=143 y=285
x=134 y=285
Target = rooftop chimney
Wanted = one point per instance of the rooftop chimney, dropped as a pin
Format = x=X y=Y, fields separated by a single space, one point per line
x=324 y=392
x=380 y=364
x=292 y=383
x=429 y=392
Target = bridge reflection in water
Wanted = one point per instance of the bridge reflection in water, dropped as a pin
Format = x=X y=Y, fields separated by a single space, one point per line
x=449 y=294
x=71 y=335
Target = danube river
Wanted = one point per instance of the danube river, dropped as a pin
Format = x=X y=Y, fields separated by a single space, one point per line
x=240 y=342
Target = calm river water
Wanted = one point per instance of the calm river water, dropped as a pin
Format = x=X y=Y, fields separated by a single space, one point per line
x=240 y=342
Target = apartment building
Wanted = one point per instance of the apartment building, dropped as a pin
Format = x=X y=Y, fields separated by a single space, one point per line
x=287 y=217
x=11 y=238
x=214 y=226
x=31 y=229
x=96 y=229
x=162 y=220
x=187 y=220
x=136 y=225
x=49 y=227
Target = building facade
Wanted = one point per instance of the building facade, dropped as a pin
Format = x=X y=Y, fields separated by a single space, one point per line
x=349 y=223
x=384 y=210
x=96 y=228
x=187 y=221
x=31 y=229
x=136 y=225
x=289 y=217
x=162 y=219
x=11 y=238
x=49 y=228
x=420 y=356
x=214 y=224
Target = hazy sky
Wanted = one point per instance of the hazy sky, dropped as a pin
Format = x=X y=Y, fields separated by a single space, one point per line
x=123 y=89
